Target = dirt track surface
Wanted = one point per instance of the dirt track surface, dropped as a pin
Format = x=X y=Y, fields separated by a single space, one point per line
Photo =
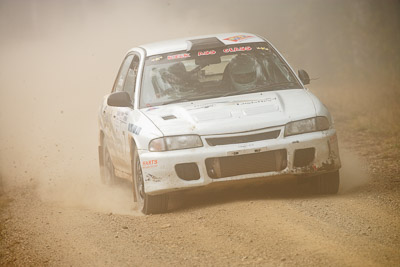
x=275 y=223
x=59 y=58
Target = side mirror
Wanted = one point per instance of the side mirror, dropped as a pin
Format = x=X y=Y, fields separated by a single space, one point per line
x=119 y=99
x=303 y=75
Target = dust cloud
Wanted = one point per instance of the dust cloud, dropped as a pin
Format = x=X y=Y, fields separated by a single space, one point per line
x=59 y=58
x=353 y=173
x=89 y=194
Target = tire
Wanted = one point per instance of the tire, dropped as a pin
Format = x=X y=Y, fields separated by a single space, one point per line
x=107 y=174
x=327 y=183
x=146 y=203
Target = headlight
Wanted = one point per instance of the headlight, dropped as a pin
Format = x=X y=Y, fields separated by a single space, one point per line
x=307 y=126
x=175 y=142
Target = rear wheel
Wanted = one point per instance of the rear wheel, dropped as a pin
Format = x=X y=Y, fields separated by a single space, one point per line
x=327 y=183
x=107 y=169
x=146 y=203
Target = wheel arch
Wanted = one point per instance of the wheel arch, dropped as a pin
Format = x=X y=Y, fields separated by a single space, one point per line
x=132 y=146
x=152 y=204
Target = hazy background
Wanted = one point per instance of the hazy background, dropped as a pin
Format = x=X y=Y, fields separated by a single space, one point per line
x=59 y=58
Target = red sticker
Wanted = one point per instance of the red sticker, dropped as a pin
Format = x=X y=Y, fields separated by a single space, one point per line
x=238 y=38
x=149 y=164
x=178 y=56
x=237 y=49
x=206 y=53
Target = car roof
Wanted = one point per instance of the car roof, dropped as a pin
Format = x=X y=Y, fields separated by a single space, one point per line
x=184 y=43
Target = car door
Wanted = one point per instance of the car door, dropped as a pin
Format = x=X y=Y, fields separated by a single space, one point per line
x=116 y=117
x=124 y=113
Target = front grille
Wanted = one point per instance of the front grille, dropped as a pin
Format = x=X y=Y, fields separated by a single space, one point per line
x=242 y=138
x=268 y=161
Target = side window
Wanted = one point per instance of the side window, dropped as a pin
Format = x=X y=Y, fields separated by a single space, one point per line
x=130 y=80
x=119 y=82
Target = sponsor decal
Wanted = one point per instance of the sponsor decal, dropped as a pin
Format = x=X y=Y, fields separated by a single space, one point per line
x=263 y=48
x=156 y=58
x=237 y=49
x=269 y=99
x=134 y=128
x=185 y=55
x=238 y=38
x=206 y=53
x=201 y=106
x=147 y=164
x=120 y=113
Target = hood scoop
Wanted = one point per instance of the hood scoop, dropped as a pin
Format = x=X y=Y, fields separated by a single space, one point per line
x=168 y=117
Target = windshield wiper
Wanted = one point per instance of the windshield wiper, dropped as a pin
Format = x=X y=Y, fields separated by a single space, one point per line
x=177 y=101
x=192 y=97
x=258 y=88
x=262 y=88
x=279 y=85
x=187 y=99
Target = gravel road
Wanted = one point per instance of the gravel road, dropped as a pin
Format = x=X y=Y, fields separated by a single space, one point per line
x=276 y=223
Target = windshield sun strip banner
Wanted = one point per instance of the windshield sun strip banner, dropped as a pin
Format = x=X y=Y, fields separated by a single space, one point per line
x=182 y=55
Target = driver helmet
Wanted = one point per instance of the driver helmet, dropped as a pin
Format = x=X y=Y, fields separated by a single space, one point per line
x=243 y=72
x=178 y=73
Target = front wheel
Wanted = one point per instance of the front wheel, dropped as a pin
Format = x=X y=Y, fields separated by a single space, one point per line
x=327 y=183
x=146 y=203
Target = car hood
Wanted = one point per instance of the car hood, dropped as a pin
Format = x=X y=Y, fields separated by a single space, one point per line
x=232 y=114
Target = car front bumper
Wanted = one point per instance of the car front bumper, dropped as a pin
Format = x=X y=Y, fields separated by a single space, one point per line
x=304 y=154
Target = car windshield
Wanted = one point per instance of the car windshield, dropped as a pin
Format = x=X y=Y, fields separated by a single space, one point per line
x=230 y=70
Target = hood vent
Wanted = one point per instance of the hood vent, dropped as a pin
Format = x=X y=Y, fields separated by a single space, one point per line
x=169 y=117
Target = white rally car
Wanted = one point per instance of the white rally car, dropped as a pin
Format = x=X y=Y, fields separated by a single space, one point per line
x=190 y=112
